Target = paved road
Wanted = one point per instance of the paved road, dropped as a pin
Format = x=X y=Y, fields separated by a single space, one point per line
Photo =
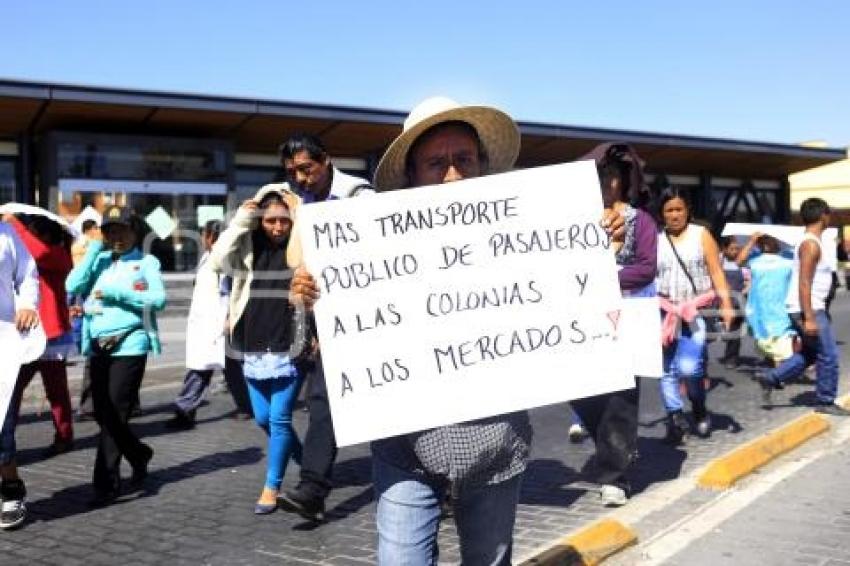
x=204 y=482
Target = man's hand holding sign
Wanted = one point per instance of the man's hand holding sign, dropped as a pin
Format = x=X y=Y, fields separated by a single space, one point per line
x=441 y=306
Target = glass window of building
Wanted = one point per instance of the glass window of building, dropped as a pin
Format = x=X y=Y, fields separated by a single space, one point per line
x=175 y=184
x=250 y=179
x=8 y=180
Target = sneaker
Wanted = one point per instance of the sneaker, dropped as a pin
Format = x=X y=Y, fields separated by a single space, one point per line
x=577 y=433
x=13 y=509
x=767 y=385
x=613 y=496
x=702 y=419
x=833 y=410
x=310 y=508
x=704 y=426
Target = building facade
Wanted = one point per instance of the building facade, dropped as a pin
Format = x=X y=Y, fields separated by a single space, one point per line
x=185 y=158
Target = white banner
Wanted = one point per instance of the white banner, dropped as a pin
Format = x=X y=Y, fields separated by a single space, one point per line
x=450 y=303
x=640 y=333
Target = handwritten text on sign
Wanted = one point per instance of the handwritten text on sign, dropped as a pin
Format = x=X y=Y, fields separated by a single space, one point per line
x=455 y=302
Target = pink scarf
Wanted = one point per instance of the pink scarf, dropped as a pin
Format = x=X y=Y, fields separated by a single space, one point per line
x=686 y=310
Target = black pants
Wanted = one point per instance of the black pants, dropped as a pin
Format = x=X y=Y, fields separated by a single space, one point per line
x=115 y=382
x=85 y=389
x=611 y=421
x=319 y=443
x=733 y=340
x=236 y=385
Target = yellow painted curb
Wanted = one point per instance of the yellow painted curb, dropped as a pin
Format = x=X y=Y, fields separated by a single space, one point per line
x=591 y=545
x=724 y=471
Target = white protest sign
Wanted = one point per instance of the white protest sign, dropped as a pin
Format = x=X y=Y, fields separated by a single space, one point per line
x=640 y=332
x=450 y=303
x=16 y=348
x=791 y=235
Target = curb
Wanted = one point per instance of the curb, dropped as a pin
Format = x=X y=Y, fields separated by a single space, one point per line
x=607 y=536
x=588 y=546
x=723 y=472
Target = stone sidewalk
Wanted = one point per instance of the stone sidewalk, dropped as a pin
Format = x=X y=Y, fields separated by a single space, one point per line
x=805 y=519
x=204 y=482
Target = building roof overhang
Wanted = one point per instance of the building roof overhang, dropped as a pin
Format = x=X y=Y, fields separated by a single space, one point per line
x=258 y=126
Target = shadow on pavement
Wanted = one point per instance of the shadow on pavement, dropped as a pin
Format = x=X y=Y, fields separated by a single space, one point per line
x=657 y=462
x=142 y=426
x=548 y=482
x=74 y=500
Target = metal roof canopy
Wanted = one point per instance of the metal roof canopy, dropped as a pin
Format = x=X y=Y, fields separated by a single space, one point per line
x=258 y=126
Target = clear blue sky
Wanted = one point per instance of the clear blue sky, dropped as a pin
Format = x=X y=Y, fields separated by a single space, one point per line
x=763 y=70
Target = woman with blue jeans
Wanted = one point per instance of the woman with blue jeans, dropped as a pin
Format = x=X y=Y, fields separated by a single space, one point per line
x=263 y=323
x=689 y=277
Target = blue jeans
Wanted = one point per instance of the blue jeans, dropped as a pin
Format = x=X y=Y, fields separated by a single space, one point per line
x=272 y=401
x=8 y=448
x=685 y=359
x=823 y=351
x=409 y=518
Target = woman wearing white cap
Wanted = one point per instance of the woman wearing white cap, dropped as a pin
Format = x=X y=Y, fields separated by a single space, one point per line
x=124 y=288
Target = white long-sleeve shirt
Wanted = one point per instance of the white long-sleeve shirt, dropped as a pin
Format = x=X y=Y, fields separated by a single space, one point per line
x=18 y=275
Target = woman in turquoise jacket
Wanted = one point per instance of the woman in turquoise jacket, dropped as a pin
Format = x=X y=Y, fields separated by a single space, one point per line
x=125 y=289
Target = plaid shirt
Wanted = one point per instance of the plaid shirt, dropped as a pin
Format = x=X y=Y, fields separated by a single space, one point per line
x=482 y=452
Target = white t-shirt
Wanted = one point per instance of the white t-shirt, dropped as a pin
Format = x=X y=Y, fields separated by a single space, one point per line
x=821 y=284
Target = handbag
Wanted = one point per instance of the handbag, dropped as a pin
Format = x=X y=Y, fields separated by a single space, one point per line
x=708 y=314
x=105 y=345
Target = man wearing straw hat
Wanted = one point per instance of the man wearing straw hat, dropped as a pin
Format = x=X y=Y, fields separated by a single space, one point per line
x=478 y=463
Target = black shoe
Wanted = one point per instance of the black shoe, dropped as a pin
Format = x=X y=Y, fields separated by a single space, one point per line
x=677 y=428
x=833 y=410
x=13 y=509
x=181 y=421
x=703 y=426
x=702 y=420
x=309 y=507
x=140 y=471
x=767 y=385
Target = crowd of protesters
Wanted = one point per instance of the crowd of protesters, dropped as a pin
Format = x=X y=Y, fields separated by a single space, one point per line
x=251 y=318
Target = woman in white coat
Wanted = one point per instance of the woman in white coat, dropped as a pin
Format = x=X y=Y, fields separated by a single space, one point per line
x=204 y=334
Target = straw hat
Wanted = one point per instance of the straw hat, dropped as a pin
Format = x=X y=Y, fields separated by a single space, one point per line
x=497 y=131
